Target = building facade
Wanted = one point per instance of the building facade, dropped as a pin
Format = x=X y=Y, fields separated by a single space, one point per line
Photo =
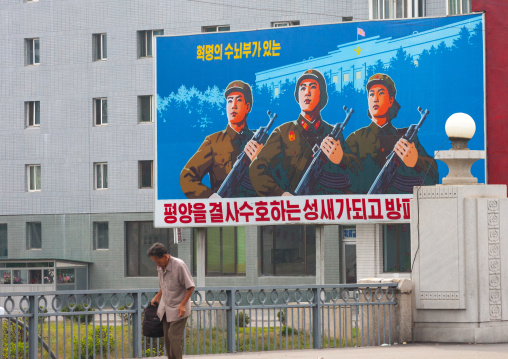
x=77 y=149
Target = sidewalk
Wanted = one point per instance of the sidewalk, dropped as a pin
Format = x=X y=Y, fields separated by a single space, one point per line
x=408 y=351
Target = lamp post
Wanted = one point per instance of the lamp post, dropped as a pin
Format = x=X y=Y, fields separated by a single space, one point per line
x=460 y=128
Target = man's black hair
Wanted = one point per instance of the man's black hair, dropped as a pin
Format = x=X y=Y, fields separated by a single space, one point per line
x=157 y=250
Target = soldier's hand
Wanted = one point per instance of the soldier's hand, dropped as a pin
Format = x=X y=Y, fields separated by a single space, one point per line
x=286 y=194
x=407 y=152
x=215 y=195
x=332 y=149
x=252 y=149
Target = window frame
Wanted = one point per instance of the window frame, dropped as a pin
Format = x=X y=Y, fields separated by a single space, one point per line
x=140 y=174
x=140 y=108
x=410 y=9
x=34 y=177
x=216 y=28
x=307 y=266
x=460 y=9
x=96 y=234
x=141 y=252
x=32 y=51
x=4 y=241
x=99 y=46
x=146 y=42
x=100 y=111
x=285 y=23
x=104 y=178
x=29 y=235
x=32 y=113
x=398 y=226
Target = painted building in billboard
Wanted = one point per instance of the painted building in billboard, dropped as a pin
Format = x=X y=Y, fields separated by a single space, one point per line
x=77 y=150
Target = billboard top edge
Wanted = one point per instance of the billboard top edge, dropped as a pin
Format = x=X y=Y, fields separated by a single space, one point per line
x=361 y=21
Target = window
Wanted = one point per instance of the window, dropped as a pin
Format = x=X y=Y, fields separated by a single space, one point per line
x=139 y=237
x=100 y=107
x=396 y=9
x=101 y=175
x=3 y=241
x=287 y=250
x=33 y=178
x=347 y=18
x=225 y=251
x=32 y=51
x=457 y=7
x=396 y=248
x=285 y=23
x=335 y=79
x=358 y=75
x=145 y=108
x=33 y=235
x=100 y=47
x=100 y=235
x=346 y=77
x=145 y=174
x=215 y=28
x=33 y=113
x=276 y=92
x=145 y=42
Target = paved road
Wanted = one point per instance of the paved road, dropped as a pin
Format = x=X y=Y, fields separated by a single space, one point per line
x=409 y=351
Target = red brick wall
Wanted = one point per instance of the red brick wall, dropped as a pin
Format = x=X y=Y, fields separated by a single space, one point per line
x=496 y=49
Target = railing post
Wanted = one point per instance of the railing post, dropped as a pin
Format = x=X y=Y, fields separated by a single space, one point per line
x=33 y=321
x=316 y=318
x=136 y=326
x=230 y=320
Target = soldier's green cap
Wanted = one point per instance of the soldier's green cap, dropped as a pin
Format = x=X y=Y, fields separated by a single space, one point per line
x=386 y=81
x=318 y=76
x=382 y=79
x=242 y=87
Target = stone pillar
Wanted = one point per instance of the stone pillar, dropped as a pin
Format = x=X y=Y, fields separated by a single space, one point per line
x=200 y=257
x=459 y=238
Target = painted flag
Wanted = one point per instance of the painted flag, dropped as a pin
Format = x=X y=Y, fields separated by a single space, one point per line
x=361 y=32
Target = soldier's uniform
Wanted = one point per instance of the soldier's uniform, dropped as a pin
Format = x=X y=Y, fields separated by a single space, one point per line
x=372 y=144
x=282 y=162
x=217 y=155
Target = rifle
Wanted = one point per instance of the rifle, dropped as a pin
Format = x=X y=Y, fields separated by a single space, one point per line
x=243 y=161
x=315 y=168
x=385 y=176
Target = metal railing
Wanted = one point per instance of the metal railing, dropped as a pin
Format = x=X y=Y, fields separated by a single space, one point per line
x=107 y=323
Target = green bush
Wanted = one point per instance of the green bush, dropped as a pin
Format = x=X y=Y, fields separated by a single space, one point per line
x=86 y=344
x=242 y=319
x=282 y=315
x=288 y=331
x=125 y=317
x=16 y=332
x=42 y=319
x=82 y=318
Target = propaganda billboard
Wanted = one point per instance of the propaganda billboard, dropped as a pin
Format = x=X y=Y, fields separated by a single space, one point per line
x=311 y=124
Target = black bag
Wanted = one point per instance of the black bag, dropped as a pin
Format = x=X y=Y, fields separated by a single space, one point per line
x=152 y=325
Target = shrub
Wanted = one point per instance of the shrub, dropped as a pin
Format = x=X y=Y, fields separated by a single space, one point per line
x=42 y=319
x=288 y=331
x=82 y=318
x=125 y=317
x=86 y=344
x=242 y=319
x=282 y=315
x=16 y=332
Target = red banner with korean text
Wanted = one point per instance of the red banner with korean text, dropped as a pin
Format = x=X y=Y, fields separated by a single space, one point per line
x=284 y=210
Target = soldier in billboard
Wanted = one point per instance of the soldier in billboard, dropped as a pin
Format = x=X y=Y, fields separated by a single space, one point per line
x=219 y=150
x=372 y=144
x=280 y=165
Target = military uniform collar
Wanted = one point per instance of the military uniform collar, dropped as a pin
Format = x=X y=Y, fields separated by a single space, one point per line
x=232 y=133
x=309 y=126
x=386 y=128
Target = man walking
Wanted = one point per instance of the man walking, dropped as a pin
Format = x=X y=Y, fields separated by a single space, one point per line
x=176 y=287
